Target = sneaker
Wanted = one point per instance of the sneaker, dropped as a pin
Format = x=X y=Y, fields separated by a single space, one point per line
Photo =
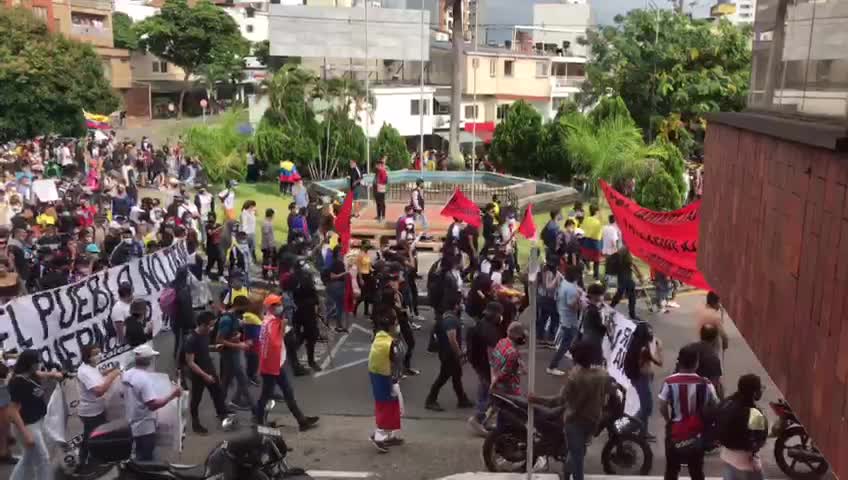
x=672 y=304
x=415 y=326
x=476 y=427
x=380 y=446
x=314 y=366
x=411 y=372
x=554 y=371
x=199 y=429
x=434 y=406
x=393 y=442
x=299 y=371
x=308 y=423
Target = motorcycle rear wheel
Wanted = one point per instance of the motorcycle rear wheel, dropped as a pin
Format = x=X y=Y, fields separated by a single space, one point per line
x=505 y=452
x=788 y=465
x=623 y=449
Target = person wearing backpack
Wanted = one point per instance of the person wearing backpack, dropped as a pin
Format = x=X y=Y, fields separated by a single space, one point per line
x=686 y=399
x=229 y=336
x=482 y=339
x=743 y=430
x=643 y=353
x=546 y=305
x=451 y=357
x=550 y=236
x=181 y=310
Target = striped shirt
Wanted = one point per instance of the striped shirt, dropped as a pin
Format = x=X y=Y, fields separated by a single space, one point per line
x=687 y=394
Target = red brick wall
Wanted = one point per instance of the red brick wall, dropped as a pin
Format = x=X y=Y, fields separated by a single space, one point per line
x=774 y=245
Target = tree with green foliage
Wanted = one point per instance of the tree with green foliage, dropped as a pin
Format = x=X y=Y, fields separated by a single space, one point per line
x=515 y=141
x=189 y=37
x=658 y=192
x=123 y=32
x=262 y=52
x=391 y=145
x=46 y=80
x=672 y=162
x=662 y=63
x=221 y=146
x=552 y=151
x=226 y=64
x=609 y=107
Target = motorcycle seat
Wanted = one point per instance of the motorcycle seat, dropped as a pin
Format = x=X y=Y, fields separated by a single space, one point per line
x=544 y=413
x=187 y=472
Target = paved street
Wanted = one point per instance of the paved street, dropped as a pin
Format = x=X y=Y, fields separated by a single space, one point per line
x=438 y=444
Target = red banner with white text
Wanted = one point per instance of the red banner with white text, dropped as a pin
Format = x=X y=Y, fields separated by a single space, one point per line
x=667 y=241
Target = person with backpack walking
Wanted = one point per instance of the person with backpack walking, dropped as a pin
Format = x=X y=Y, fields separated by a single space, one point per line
x=643 y=354
x=743 y=430
x=686 y=399
x=202 y=372
x=546 y=305
x=483 y=337
x=451 y=357
x=417 y=202
x=229 y=336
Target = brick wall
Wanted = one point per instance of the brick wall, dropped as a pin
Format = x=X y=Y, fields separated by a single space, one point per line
x=774 y=245
x=137 y=101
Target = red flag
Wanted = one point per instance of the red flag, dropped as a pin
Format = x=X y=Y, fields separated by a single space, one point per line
x=528 y=225
x=459 y=206
x=343 y=222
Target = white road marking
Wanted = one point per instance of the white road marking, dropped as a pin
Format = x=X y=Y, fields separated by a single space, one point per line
x=361 y=329
x=338 y=474
x=340 y=367
x=333 y=352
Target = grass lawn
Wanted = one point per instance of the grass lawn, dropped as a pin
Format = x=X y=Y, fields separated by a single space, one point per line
x=266 y=195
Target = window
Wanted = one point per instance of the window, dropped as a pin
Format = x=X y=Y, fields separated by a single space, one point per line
x=40 y=12
x=541 y=69
x=249 y=28
x=442 y=108
x=249 y=12
x=414 y=110
x=508 y=67
x=471 y=112
x=744 y=15
x=503 y=109
x=160 y=67
x=493 y=68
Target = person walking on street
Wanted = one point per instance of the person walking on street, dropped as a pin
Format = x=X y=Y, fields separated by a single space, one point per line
x=643 y=354
x=505 y=361
x=743 y=431
x=381 y=184
x=93 y=386
x=269 y=246
x=232 y=345
x=142 y=402
x=385 y=369
x=272 y=361
x=417 y=202
x=626 y=285
x=27 y=411
x=248 y=226
x=451 y=356
x=547 y=312
x=202 y=372
x=568 y=307
x=584 y=396
x=482 y=339
x=355 y=179
x=590 y=245
x=684 y=399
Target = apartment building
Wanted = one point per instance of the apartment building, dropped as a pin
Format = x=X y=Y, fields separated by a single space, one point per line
x=738 y=12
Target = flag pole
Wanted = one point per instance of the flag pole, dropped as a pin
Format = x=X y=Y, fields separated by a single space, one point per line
x=421 y=99
x=367 y=105
x=474 y=102
x=532 y=274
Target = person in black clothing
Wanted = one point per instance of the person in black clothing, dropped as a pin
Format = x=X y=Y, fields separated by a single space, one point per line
x=21 y=254
x=482 y=338
x=489 y=227
x=202 y=371
x=305 y=320
x=742 y=426
x=213 y=245
x=137 y=330
x=594 y=326
x=126 y=251
x=391 y=298
x=709 y=364
x=626 y=284
x=184 y=323
x=313 y=218
x=449 y=335
x=468 y=245
x=355 y=178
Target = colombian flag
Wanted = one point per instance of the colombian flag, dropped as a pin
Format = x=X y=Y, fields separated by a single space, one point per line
x=96 y=122
x=386 y=404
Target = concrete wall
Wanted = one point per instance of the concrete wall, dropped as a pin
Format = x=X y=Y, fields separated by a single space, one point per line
x=142 y=68
x=492 y=79
x=576 y=17
x=773 y=244
x=254 y=29
x=304 y=31
x=394 y=108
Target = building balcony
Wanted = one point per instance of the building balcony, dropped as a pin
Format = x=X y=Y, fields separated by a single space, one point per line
x=89 y=34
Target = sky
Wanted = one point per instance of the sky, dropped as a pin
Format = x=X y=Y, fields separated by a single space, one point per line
x=511 y=12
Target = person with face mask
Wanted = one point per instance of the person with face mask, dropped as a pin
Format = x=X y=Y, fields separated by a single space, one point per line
x=239 y=257
x=451 y=357
x=231 y=338
x=27 y=410
x=142 y=402
x=93 y=385
x=272 y=360
x=202 y=371
x=505 y=361
x=126 y=251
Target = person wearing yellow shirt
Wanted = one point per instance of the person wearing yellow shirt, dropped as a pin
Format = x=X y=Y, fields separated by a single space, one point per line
x=590 y=245
x=364 y=275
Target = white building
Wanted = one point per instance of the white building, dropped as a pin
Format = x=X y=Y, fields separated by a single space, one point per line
x=252 y=19
x=738 y=12
x=401 y=107
x=561 y=26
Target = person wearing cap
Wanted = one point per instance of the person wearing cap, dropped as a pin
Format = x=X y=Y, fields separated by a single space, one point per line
x=142 y=401
x=202 y=371
x=272 y=360
x=417 y=202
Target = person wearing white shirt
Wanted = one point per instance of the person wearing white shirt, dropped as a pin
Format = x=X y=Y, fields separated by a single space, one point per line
x=93 y=386
x=248 y=225
x=142 y=402
x=228 y=199
x=121 y=310
x=610 y=237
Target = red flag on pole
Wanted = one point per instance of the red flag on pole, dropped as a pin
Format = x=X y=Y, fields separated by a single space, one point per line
x=459 y=206
x=342 y=223
x=528 y=225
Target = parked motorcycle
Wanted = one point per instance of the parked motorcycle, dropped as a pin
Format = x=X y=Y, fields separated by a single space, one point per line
x=259 y=455
x=505 y=448
x=794 y=451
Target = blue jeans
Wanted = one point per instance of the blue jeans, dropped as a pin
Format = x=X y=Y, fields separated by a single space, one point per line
x=35 y=461
x=547 y=310
x=336 y=292
x=483 y=395
x=568 y=335
x=144 y=447
x=576 y=436
x=642 y=384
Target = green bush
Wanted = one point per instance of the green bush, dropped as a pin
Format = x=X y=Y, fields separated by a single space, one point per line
x=515 y=142
x=391 y=145
x=553 y=151
x=659 y=193
x=221 y=147
x=672 y=161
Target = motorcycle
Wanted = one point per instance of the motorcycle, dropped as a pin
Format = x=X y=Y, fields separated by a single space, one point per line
x=794 y=451
x=259 y=455
x=505 y=448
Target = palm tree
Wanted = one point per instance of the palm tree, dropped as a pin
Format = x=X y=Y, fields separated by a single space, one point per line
x=458 y=39
x=287 y=89
x=345 y=97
